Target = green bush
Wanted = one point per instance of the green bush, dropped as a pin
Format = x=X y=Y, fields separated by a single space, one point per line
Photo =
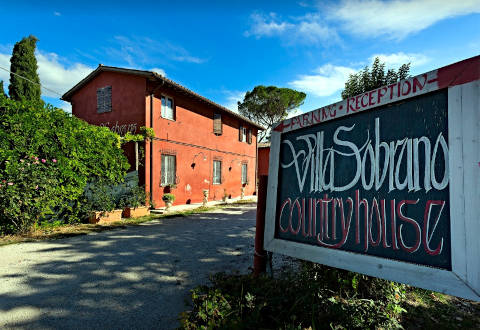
x=82 y=152
x=315 y=297
x=133 y=197
x=27 y=191
x=99 y=196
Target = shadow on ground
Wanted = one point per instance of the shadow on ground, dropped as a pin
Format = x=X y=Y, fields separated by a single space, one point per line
x=138 y=277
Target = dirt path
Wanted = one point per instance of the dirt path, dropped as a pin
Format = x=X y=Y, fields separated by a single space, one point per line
x=138 y=277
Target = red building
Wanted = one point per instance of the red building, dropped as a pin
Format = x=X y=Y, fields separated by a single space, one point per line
x=199 y=145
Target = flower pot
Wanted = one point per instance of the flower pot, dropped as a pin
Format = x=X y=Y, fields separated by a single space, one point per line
x=130 y=212
x=102 y=217
x=205 y=197
x=168 y=205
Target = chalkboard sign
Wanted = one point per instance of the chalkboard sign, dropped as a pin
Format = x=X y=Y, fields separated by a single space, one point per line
x=373 y=183
x=378 y=183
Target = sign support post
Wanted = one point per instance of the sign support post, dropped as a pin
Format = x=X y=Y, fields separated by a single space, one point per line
x=260 y=256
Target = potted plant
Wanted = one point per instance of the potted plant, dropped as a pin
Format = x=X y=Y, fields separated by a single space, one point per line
x=242 y=190
x=133 y=203
x=205 y=197
x=168 y=199
x=225 y=196
x=101 y=203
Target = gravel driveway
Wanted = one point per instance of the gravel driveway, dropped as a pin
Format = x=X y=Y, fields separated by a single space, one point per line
x=136 y=277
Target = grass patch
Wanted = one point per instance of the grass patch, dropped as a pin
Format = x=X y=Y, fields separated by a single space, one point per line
x=319 y=297
x=244 y=201
x=433 y=310
x=311 y=297
x=57 y=230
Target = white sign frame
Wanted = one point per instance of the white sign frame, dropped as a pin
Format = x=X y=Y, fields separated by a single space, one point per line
x=463 y=82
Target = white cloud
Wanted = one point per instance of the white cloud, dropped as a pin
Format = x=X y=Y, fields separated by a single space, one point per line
x=326 y=80
x=397 y=19
x=56 y=13
x=4 y=64
x=159 y=71
x=266 y=25
x=312 y=29
x=394 y=61
x=138 y=52
x=188 y=58
x=53 y=75
x=305 y=29
x=232 y=98
x=57 y=76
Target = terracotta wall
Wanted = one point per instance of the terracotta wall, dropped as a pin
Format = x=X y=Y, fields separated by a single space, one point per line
x=191 y=139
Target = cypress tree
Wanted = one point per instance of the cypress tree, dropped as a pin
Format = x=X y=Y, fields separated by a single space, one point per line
x=2 y=91
x=24 y=64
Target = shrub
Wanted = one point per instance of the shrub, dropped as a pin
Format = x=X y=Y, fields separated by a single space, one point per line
x=133 y=197
x=27 y=192
x=99 y=196
x=83 y=152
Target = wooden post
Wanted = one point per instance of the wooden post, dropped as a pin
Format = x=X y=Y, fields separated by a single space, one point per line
x=260 y=256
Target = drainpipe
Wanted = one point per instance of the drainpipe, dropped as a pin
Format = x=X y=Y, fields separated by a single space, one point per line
x=152 y=93
x=260 y=255
x=151 y=147
x=256 y=163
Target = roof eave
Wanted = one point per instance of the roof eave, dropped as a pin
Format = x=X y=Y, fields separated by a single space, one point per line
x=153 y=75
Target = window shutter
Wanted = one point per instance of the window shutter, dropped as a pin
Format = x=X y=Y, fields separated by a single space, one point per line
x=107 y=103
x=249 y=136
x=164 y=107
x=104 y=99
x=163 y=174
x=240 y=133
x=170 y=114
x=244 y=173
x=217 y=124
x=171 y=169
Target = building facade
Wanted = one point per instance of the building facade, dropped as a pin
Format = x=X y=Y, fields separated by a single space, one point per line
x=198 y=145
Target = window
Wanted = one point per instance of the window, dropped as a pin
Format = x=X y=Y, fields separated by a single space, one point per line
x=217 y=124
x=242 y=134
x=217 y=172
x=168 y=170
x=104 y=99
x=244 y=173
x=168 y=111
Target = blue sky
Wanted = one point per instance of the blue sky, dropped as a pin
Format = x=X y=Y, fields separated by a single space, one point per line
x=221 y=49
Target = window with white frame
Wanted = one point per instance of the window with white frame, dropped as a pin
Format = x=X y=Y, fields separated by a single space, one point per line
x=168 y=110
x=242 y=134
x=217 y=172
x=168 y=170
x=104 y=99
x=244 y=173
